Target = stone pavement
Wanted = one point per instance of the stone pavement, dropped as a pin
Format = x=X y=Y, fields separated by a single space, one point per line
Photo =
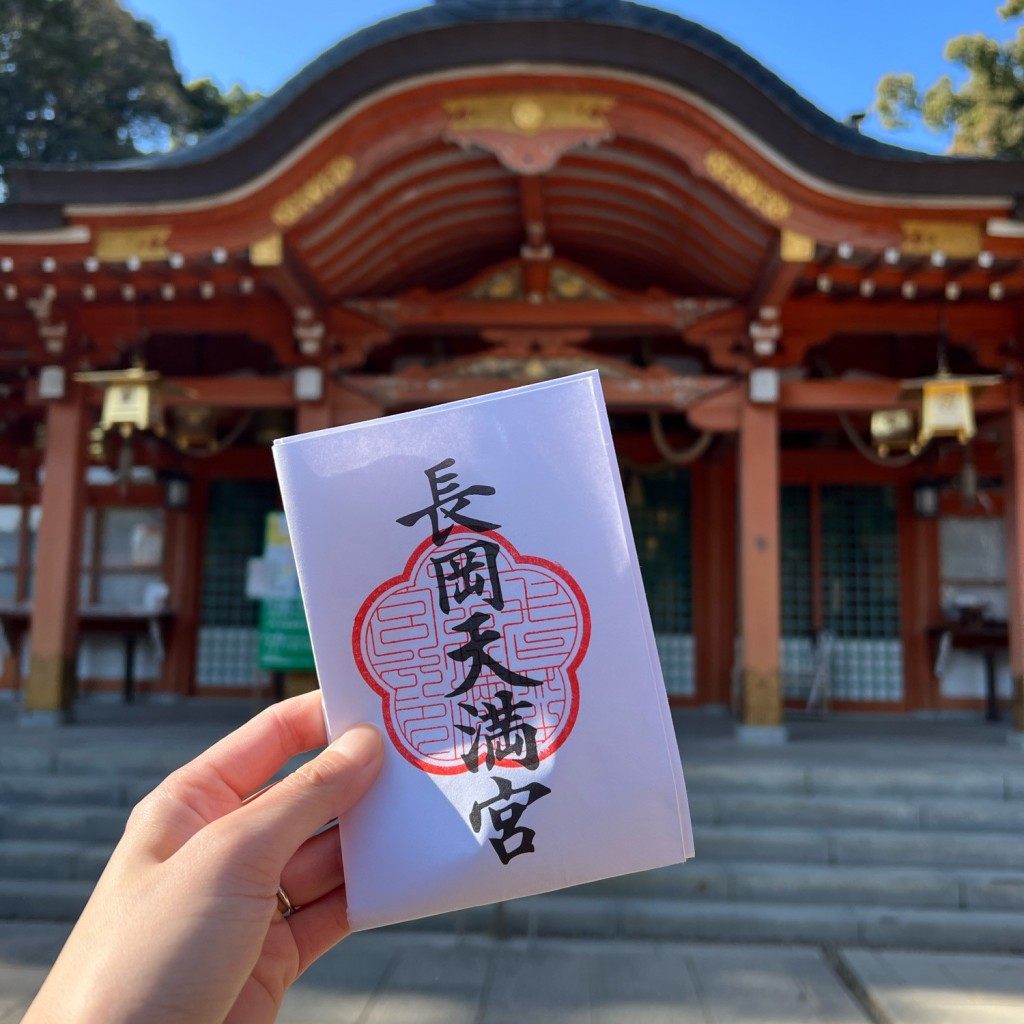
x=392 y=977
x=845 y=772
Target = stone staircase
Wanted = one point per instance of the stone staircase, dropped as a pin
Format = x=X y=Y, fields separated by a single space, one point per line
x=60 y=817
x=923 y=857
x=871 y=843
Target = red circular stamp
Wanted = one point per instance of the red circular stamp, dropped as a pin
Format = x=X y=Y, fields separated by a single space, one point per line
x=474 y=651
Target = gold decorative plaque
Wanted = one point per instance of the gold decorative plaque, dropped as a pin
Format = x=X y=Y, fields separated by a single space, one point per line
x=529 y=113
x=957 y=239
x=115 y=245
x=747 y=186
x=796 y=248
x=267 y=252
x=317 y=190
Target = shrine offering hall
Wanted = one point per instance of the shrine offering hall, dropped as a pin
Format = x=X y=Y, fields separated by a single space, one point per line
x=807 y=340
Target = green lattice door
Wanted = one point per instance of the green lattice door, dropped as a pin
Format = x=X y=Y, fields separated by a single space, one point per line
x=229 y=621
x=661 y=529
x=857 y=581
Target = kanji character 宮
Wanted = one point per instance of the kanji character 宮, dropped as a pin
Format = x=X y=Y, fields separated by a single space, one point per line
x=505 y=819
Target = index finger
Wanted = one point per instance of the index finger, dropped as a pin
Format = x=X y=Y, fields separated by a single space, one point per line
x=244 y=760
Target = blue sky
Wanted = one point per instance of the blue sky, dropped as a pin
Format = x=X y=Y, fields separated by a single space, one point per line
x=831 y=51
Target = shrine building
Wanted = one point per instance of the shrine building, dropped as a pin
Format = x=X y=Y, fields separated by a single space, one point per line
x=807 y=341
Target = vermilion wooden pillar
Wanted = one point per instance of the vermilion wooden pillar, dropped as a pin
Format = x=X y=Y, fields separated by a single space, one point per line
x=759 y=598
x=313 y=416
x=185 y=537
x=1015 y=552
x=919 y=601
x=352 y=406
x=50 y=687
x=714 y=577
x=340 y=405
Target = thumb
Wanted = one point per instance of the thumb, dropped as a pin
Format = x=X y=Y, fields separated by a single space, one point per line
x=315 y=793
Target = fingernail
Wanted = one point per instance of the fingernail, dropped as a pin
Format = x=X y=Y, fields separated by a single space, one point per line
x=361 y=744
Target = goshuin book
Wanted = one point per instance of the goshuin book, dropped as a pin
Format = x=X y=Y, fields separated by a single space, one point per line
x=472 y=587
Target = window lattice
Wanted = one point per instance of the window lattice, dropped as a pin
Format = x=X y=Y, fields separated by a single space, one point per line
x=661 y=529
x=228 y=635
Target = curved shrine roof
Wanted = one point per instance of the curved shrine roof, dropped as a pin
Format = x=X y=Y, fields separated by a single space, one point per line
x=461 y=34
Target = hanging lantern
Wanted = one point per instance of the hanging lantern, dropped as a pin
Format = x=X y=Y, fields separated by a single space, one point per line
x=194 y=427
x=129 y=398
x=947 y=410
x=947 y=404
x=894 y=430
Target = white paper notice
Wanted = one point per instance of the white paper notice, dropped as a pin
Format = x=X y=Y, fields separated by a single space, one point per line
x=471 y=585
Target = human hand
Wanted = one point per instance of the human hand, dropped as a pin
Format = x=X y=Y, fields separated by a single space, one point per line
x=184 y=923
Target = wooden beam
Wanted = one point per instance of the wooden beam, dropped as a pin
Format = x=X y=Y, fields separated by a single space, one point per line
x=868 y=395
x=427 y=313
x=655 y=392
x=720 y=412
x=232 y=392
x=817 y=318
x=261 y=318
x=779 y=276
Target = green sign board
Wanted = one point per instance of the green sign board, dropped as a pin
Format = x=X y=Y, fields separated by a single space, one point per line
x=284 y=637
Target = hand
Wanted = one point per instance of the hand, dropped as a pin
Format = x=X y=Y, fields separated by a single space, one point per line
x=184 y=923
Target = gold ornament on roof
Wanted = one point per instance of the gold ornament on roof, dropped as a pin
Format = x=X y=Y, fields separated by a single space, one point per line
x=501 y=286
x=795 y=247
x=747 y=186
x=956 y=239
x=570 y=286
x=118 y=245
x=317 y=190
x=529 y=113
x=267 y=252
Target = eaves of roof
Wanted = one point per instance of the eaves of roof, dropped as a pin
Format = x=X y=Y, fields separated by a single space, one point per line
x=455 y=34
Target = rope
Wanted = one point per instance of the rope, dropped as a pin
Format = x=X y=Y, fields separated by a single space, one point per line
x=228 y=440
x=675 y=456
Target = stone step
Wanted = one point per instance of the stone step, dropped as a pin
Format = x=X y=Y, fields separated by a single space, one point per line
x=61 y=822
x=77 y=790
x=555 y=914
x=31 y=900
x=853 y=846
x=998 y=815
x=741 y=881
x=697 y=880
x=60 y=861
x=155 y=761
x=996 y=782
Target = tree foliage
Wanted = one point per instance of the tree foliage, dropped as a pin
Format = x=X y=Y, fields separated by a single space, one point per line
x=84 y=80
x=986 y=112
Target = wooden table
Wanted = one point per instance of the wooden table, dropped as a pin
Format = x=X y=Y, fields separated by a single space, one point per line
x=986 y=637
x=130 y=624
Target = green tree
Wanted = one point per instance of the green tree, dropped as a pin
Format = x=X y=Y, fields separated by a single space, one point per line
x=986 y=113
x=84 y=80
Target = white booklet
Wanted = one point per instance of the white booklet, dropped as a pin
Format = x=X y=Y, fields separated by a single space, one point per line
x=471 y=586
